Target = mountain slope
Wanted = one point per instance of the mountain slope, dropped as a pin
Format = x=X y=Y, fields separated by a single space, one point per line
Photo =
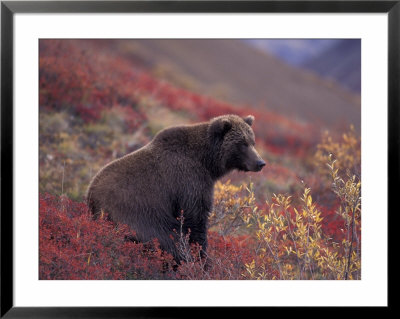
x=341 y=63
x=242 y=74
x=293 y=51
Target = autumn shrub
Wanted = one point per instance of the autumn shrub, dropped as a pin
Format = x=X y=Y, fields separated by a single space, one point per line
x=224 y=259
x=343 y=151
x=230 y=205
x=305 y=240
x=292 y=241
x=273 y=241
x=348 y=190
x=346 y=150
x=74 y=246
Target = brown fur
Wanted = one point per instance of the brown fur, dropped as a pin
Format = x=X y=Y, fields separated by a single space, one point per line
x=176 y=171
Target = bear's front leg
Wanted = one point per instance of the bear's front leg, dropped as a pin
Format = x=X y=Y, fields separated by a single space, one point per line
x=198 y=235
x=194 y=212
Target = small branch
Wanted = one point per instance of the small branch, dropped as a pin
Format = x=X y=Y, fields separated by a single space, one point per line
x=351 y=244
x=62 y=184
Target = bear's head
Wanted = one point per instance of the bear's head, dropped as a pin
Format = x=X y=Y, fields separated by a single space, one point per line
x=235 y=139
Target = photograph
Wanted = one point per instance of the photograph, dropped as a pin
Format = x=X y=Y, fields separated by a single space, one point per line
x=199 y=159
x=166 y=158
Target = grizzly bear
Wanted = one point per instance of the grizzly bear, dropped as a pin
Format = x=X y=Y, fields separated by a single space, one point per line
x=149 y=188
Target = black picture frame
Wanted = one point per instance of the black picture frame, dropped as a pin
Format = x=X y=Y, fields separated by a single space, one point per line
x=9 y=8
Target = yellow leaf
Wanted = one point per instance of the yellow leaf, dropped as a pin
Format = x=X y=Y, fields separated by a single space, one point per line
x=309 y=200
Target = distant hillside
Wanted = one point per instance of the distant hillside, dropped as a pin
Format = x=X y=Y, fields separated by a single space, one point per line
x=293 y=51
x=335 y=59
x=342 y=63
x=238 y=73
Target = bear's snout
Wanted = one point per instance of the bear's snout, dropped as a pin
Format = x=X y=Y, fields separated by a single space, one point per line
x=260 y=164
x=254 y=161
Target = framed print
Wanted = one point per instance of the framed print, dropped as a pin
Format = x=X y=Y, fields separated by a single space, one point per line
x=163 y=155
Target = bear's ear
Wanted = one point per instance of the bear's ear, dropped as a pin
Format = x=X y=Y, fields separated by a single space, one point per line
x=220 y=127
x=249 y=119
